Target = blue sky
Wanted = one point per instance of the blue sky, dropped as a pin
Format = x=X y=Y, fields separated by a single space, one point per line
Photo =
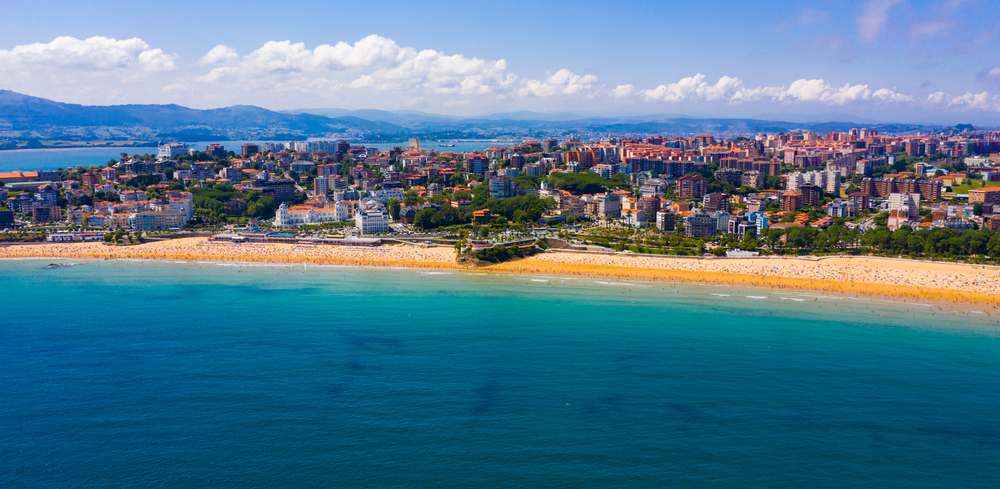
x=899 y=60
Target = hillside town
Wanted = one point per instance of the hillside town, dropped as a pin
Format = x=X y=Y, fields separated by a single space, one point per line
x=655 y=194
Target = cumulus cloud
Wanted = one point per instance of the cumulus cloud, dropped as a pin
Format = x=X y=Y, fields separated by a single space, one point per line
x=219 y=54
x=732 y=90
x=386 y=66
x=937 y=97
x=873 y=17
x=694 y=88
x=819 y=90
x=91 y=54
x=622 y=91
x=978 y=101
x=892 y=95
x=981 y=101
x=562 y=82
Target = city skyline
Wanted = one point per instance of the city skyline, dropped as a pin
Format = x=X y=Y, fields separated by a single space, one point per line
x=881 y=60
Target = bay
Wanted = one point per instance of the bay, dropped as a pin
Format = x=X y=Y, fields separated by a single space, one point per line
x=129 y=374
x=51 y=159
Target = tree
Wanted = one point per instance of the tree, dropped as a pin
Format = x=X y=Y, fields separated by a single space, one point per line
x=263 y=208
x=394 y=209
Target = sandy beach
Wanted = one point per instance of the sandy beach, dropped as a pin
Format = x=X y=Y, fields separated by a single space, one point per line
x=874 y=277
x=862 y=276
x=201 y=249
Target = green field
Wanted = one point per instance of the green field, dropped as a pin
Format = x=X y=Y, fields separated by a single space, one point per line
x=964 y=189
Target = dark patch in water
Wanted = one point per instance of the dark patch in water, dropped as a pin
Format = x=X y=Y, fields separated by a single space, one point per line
x=332 y=389
x=952 y=434
x=604 y=406
x=486 y=397
x=686 y=410
x=355 y=364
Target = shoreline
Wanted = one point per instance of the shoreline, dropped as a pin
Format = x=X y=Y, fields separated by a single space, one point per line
x=848 y=289
x=854 y=276
x=14 y=150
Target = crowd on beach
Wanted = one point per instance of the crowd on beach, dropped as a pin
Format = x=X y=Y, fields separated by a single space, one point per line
x=202 y=249
x=985 y=280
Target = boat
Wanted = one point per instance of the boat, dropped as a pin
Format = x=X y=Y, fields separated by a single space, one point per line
x=446 y=145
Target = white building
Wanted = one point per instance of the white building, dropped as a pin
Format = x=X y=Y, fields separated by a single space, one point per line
x=169 y=150
x=372 y=220
x=302 y=214
x=634 y=217
x=603 y=170
x=185 y=205
x=908 y=202
x=385 y=195
x=827 y=180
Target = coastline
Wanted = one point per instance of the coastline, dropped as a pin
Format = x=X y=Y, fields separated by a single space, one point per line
x=55 y=148
x=857 y=276
x=854 y=289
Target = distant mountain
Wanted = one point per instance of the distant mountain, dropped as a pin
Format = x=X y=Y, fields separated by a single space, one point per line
x=19 y=112
x=25 y=117
x=527 y=115
x=815 y=118
x=399 y=116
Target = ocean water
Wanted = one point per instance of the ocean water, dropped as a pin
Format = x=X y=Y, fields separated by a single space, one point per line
x=139 y=374
x=51 y=159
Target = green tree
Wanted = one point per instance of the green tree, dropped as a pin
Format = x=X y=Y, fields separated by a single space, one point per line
x=394 y=209
x=263 y=208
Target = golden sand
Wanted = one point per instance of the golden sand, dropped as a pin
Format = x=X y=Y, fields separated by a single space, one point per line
x=861 y=276
x=865 y=276
x=201 y=249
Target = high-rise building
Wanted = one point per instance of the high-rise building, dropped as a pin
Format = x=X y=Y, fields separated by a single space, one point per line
x=216 y=150
x=692 y=186
x=321 y=185
x=249 y=149
x=716 y=202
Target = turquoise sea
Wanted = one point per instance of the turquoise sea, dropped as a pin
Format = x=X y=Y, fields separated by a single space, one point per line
x=139 y=374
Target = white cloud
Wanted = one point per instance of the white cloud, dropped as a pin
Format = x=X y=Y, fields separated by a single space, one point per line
x=694 y=88
x=744 y=95
x=622 y=91
x=873 y=18
x=937 y=97
x=386 y=66
x=220 y=54
x=819 y=90
x=91 y=54
x=562 y=82
x=979 y=101
x=892 y=95
x=732 y=90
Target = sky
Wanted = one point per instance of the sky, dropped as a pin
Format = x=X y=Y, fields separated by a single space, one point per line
x=880 y=60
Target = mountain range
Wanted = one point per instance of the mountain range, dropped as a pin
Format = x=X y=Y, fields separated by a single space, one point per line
x=26 y=117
